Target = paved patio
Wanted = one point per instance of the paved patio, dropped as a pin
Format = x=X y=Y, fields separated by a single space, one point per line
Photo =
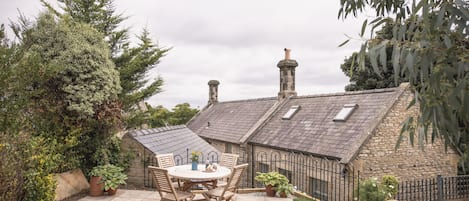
x=140 y=195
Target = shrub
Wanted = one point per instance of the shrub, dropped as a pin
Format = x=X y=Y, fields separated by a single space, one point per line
x=271 y=178
x=285 y=188
x=390 y=184
x=374 y=190
x=111 y=175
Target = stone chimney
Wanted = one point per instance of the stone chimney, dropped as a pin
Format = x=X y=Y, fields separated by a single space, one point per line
x=213 y=91
x=287 y=76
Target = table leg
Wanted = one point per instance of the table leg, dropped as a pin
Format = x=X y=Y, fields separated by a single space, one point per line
x=187 y=185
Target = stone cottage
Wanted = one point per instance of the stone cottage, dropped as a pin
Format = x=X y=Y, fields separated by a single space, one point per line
x=346 y=131
x=147 y=143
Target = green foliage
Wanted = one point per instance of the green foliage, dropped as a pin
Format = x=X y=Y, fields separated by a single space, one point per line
x=99 y=14
x=180 y=114
x=58 y=104
x=84 y=76
x=430 y=42
x=368 y=78
x=133 y=63
x=159 y=116
x=112 y=150
x=44 y=160
x=25 y=163
x=73 y=94
x=374 y=190
x=271 y=178
x=390 y=184
x=111 y=175
x=285 y=188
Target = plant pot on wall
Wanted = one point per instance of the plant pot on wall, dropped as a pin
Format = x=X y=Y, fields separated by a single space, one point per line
x=96 y=186
x=270 y=191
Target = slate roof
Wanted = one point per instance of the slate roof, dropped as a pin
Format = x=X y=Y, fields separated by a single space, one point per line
x=312 y=129
x=173 y=139
x=230 y=121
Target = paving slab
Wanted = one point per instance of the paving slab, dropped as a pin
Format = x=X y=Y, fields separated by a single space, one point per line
x=142 y=195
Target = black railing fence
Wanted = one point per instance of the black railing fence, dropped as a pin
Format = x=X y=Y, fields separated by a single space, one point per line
x=327 y=180
x=439 y=189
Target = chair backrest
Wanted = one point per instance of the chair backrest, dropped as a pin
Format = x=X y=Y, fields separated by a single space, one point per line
x=228 y=160
x=163 y=181
x=165 y=160
x=235 y=178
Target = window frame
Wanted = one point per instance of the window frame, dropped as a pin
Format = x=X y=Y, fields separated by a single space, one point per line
x=345 y=112
x=322 y=191
x=291 y=112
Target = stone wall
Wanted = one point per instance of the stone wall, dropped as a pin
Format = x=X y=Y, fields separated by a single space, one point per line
x=70 y=183
x=378 y=156
x=221 y=146
x=135 y=174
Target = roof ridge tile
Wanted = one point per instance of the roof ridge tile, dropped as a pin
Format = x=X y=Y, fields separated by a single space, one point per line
x=371 y=91
x=143 y=132
x=248 y=100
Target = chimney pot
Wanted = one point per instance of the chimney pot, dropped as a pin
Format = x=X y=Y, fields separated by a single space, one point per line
x=287 y=53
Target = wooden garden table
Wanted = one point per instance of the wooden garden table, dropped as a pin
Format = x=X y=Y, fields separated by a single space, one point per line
x=200 y=176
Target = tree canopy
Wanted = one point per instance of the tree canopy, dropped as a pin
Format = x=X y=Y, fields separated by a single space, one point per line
x=366 y=78
x=133 y=63
x=431 y=49
x=180 y=114
x=84 y=75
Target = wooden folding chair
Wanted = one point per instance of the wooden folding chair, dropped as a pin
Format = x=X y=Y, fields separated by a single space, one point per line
x=165 y=188
x=229 y=161
x=166 y=161
x=227 y=192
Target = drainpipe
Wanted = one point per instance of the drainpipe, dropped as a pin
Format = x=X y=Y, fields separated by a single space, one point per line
x=252 y=166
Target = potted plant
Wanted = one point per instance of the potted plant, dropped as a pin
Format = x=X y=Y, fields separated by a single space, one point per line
x=195 y=159
x=271 y=180
x=284 y=189
x=111 y=177
x=96 y=183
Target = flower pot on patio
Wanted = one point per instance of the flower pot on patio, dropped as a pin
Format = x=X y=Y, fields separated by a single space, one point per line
x=96 y=186
x=282 y=194
x=270 y=191
x=111 y=191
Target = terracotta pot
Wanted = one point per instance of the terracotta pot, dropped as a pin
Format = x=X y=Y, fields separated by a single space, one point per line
x=282 y=194
x=96 y=186
x=111 y=191
x=270 y=191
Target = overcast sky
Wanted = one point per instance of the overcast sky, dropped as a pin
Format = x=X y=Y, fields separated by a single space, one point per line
x=236 y=42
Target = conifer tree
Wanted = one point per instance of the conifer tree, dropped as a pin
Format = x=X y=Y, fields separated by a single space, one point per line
x=133 y=63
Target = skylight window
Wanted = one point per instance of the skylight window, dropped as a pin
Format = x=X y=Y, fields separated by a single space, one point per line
x=292 y=111
x=345 y=112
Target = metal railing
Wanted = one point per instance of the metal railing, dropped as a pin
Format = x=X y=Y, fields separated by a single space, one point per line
x=328 y=180
x=438 y=189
